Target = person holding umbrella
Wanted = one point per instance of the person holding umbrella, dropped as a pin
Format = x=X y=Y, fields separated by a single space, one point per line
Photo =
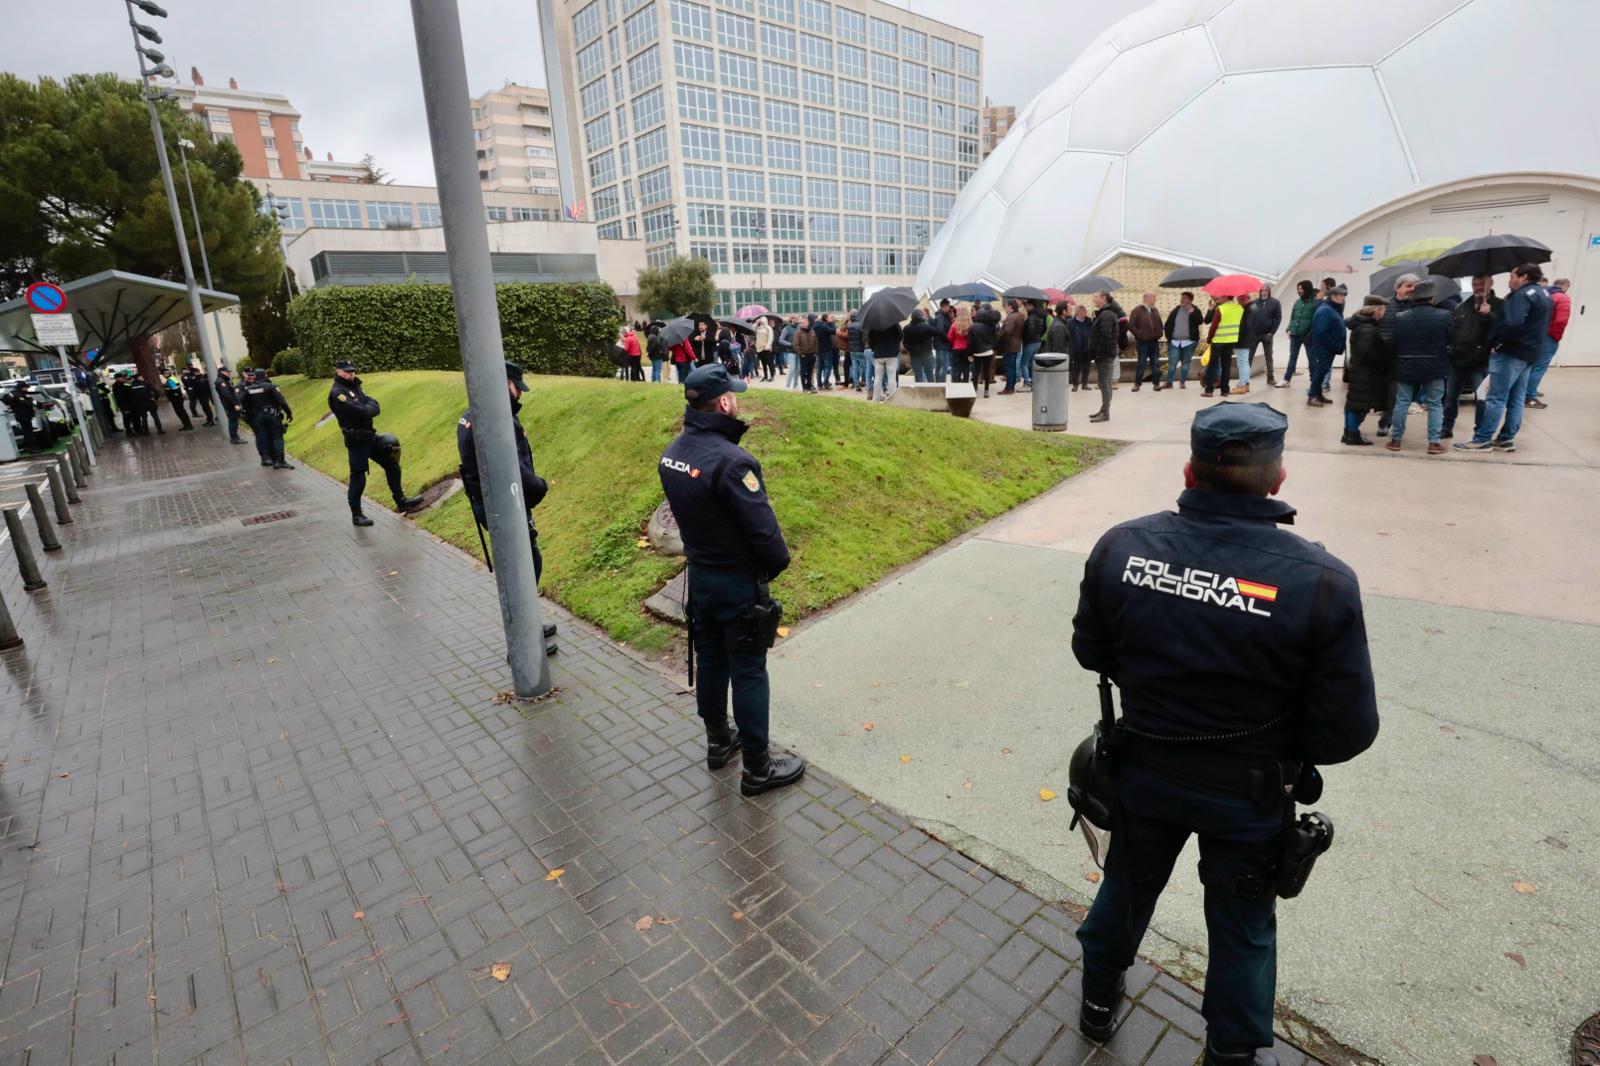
x=1523 y=323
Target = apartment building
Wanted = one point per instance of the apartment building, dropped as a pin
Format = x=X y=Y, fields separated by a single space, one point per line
x=264 y=126
x=516 y=149
x=804 y=148
x=995 y=122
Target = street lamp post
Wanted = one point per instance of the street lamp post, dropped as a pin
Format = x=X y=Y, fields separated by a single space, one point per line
x=151 y=95
x=280 y=211
x=184 y=144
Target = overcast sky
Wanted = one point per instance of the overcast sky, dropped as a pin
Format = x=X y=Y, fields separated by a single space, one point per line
x=351 y=68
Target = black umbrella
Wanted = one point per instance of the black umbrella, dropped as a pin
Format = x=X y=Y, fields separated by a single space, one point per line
x=887 y=307
x=1025 y=292
x=1494 y=254
x=1438 y=288
x=677 y=331
x=1381 y=283
x=737 y=326
x=619 y=356
x=1091 y=283
x=1188 y=277
x=972 y=290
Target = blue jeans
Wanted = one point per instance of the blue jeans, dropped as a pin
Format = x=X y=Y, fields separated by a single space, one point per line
x=1008 y=367
x=1352 y=421
x=1241 y=355
x=861 y=364
x=1428 y=393
x=1452 y=396
x=1547 y=354
x=1508 y=388
x=1241 y=933
x=942 y=361
x=1295 y=344
x=1321 y=367
x=922 y=367
x=1025 y=360
x=1179 y=351
x=1149 y=354
x=655 y=369
x=719 y=597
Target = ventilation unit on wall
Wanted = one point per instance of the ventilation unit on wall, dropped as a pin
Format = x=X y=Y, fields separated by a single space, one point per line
x=1490 y=205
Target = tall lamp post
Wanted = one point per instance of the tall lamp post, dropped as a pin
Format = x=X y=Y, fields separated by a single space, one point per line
x=151 y=95
x=184 y=144
x=280 y=210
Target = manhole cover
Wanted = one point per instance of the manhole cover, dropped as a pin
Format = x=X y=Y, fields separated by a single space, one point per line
x=271 y=516
x=1586 y=1043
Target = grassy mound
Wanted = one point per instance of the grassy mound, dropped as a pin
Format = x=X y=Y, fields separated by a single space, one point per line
x=858 y=489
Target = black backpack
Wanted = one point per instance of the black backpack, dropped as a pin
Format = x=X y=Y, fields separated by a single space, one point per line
x=1033 y=329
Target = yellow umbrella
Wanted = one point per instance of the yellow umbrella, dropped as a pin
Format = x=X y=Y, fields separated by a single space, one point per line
x=1426 y=248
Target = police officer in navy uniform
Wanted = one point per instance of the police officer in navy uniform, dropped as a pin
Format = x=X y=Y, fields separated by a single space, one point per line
x=230 y=403
x=267 y=412
x=534 y=487
x=1216 y=623
x=734 y=547
x=355 y=411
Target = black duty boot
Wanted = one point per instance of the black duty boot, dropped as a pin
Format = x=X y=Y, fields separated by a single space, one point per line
x=1263 y=1057
x=549 y=630
x=765 y=772
x=1097 y=1017
x=408 y=504
x=722 y=744
x=266 y=462
x=1101 y=415
x=281 y=465
x=359 y=519
x=1355 y=439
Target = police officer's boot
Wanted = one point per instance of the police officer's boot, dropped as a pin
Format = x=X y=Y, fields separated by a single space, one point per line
x=282 y=464
x=764 y=772
x=1263 y=1057
x=1097 y=1017
x=359 y=519
x=407 y=504
x=549 y=630
x=266 y=462
x=722 y=744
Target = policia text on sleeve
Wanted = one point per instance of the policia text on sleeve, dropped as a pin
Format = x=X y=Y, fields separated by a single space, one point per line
x=734 y=547
x=355 y=411
x=1241 y=655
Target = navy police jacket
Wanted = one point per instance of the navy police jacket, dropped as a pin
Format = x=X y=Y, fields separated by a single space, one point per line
x=1214 y=620
x=354 y=409
x=263 y=398
x=717 y=495
x=534 y=487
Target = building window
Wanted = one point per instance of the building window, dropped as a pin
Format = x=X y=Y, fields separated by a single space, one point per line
x=651 y=148
x=816 y=15
x=644 y=69
x=891 y=260
x=857 y=229
x=623 y=157
x=700 y=142
x=597 y=133
x=820 y=125
x=852 y=95
x=825 y=261
x=817 y=88
x=539 y=151
x=889 y=231
x=693 y=61
x=786 y=189
x=944 y=175
x=781 y=80
x=791 y=301
x=270 y=143
x=852 y=25
x=886 y=199
x=917 y=232
x=640 y=29
x=944 y=84
x=917 y=174
x=715 y=254
x=748 y=186
x=777 y=42
x=968 y=60
x=885 y=36
x=696 y=104
x=273 y=169
x=854 y=163
x=649 y=109
x=503 y=214
x=816 y=52
x=744 y=149
x=857 y=197
x=706 y=220
x=783 y=154
x=778 y=10
x=691 y=20
x=220 y=120
x=885 y=103
x=336 y=214
x=702 y=182
x=822 y=192
x=388 y=216
x=602 y=169
x=615 y=48
x=736 y=31
x=738 y=72
x=741 y=110
x=591 y=62
x=968 y=151
x=824 y=228
x=297 y=213
x=914 y=141
x=886 y=168
x=967 y=121
x=655 y=186
x=782 y=118
x=853 y=61
x=789 y=225
x=611 y=231
x=886 y=135
x=913 y=44
x=941 y=54
x=659 y=256
x=749 y=223
x=265 y=119
x=586 y=24
x=944 y=145
x=749 y=259
x=593 y=99
x=789 y=259
x=943 y=204
x=858 y=260
x=914 y=77
x=428 y=215
x=853 y=129
x=822 y=159
x=885 y=70
x=967 y=90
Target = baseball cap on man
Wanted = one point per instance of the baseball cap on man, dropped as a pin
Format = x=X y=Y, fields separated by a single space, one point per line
x=708 y=382
x=514 y=375
x=1257 y=426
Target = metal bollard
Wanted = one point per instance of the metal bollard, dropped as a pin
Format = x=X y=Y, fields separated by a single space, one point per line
x=84 y=462
x=41 y=518
x=68 y=482
x=27 y=565
x=59 y=495
x=8 y=629
x=75 y=460
x=70 y=468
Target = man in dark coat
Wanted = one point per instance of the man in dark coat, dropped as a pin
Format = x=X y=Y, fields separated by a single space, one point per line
x=918 y=339
x=229 y=397
x=1104 y=348
x=1366 y=369
x=943 y=319
x=1470 y=324
x=1265 y=315
x=827 y=354
x=1421 y=365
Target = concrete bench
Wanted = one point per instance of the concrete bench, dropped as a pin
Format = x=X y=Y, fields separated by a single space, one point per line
x=921 y=396
x=960 y=397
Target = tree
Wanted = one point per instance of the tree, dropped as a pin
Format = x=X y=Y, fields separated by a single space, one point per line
x=265 y=325
x=681 y=287
x=372 y=173
x=81 y=190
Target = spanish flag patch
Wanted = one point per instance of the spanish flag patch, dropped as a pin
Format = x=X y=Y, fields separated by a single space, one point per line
x=1256 y=590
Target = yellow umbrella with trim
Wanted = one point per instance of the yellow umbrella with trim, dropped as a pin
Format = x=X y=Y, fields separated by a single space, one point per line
x=1426 y=248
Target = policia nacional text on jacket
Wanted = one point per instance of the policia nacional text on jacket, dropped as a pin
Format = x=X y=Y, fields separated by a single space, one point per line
x=1216 y=622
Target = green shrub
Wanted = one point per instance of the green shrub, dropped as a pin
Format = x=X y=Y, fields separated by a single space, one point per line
x=549 y=329
x=289 y=361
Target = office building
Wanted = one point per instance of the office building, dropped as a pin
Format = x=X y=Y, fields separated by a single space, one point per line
x=313 y=203
x=995 y=121
x=516 y=149
x=804 y=148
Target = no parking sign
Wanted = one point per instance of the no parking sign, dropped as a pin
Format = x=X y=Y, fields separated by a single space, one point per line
x=45 y=298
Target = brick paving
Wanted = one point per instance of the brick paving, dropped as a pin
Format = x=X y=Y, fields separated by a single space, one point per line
x=257 y=806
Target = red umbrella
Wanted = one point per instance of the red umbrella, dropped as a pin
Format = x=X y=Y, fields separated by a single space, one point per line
x=1057 y=296
x=1230 y=285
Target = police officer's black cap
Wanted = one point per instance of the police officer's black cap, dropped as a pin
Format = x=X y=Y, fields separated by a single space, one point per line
x=708 y=382
x=514 y=375
x=1259 y=427
x=345 y=364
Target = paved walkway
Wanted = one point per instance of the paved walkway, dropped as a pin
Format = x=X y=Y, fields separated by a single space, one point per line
x=258 y=805
x=1457 y=913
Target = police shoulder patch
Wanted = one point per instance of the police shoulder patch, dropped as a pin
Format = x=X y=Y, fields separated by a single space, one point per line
x=344 y=396
x=751 y=482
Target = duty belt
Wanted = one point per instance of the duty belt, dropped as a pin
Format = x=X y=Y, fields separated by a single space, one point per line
x=1266 y=784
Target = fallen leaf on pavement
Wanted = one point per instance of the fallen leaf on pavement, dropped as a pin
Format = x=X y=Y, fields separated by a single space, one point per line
x=1524 y=887
x=394 y=573
x=502 y=697
x=1093 y=877
x=1005 y=751
x=1484 y=1060
x=783 y=631
x=555 y=875
x=500 y=971
x=624 y=1004
x=644 y=923
x=63 y=774
x=1556 y=842
x=869 y=726
x=360 y=916
x=905 y=758
x=967 y=785
x=877 y=684
x=738 y=916
x=271 y=661
x=1046 y=795
x=1516 y=957
x=1446 y=729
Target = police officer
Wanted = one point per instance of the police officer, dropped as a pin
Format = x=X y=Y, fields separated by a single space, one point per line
x=355 y=411
x=265 y=408
x=1215 y=623
x=194 y=383
x=734 y=546
x=534 y=487
x=143 y=398
x=124 y=401
x=26 y=413
x=174 y=392
x=229 y=395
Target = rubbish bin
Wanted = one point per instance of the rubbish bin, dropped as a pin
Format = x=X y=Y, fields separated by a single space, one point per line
x=1050 y=391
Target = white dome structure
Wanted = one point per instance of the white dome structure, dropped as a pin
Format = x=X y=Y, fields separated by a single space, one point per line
x=1249 y=134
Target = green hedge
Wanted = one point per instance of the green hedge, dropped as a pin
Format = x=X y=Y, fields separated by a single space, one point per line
x=549 y=329
x=289 y=361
